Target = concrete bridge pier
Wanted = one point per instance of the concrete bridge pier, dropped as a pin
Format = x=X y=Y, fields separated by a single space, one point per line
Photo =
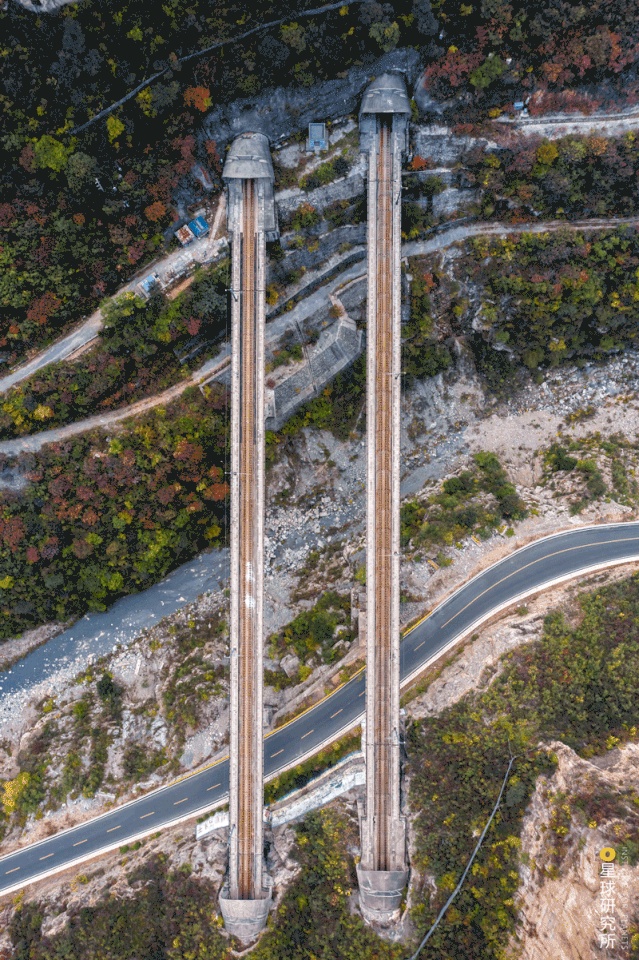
x=248 y=172
x=245 y=919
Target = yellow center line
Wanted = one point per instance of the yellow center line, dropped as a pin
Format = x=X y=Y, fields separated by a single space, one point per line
x=12 y=871
x=277 y=752
x=307 y=734
x=556 y=553
x=46 y=857
x=180 y=801
x=147 y=814
x=213 y=787
x=111 y=829
x=313 y=706
x=336 y=712
x=80 y=842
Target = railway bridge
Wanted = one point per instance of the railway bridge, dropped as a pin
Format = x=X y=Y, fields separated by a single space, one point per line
x=382 y=872
x=248 y=171
x=245 y=900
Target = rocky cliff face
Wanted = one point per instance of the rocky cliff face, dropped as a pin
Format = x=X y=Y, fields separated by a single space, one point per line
x=43 y=6
x=282 y=112
x=584 y=807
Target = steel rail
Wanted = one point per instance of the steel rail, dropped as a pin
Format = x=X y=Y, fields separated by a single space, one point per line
x=249 y=552
x=382 y=434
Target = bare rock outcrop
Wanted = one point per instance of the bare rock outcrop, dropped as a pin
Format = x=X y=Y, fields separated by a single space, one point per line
x=44 y=6
x=562 y=892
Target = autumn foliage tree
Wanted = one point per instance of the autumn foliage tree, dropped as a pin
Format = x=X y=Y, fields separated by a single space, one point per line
x=124 y=162
x=198 y=97
x=571 y=177
x=503 y=47
x=43 y=307
x=134 y=357
x=155 y=211
x=102 y=517
x=573 y=295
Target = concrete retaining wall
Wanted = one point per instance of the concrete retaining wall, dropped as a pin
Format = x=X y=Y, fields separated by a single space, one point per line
x=341 y=778
x=338 y=346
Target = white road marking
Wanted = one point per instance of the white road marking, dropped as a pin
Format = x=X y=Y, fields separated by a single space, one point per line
x=147 y=814
x=307 y=734
x=46 y=857
x=213 y=787
x=80 y=842
x=180 y=801
x=277 y=752
x=111 y=829
x=336 y=712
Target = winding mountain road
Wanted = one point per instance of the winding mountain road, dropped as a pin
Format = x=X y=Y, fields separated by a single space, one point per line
x=551 y=126
x=527 y=571
x=555 y=125
x=202 y=250
x=442 y=236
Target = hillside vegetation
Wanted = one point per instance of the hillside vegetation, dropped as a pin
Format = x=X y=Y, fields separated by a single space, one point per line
x=80 y=212
x=141 y=351
x=551 y=298
x=576 y=684
x=102 y=516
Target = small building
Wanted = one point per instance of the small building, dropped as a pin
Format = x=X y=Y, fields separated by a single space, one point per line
x=199 y=227
x=149 y=285
x=185 y=235
x=317 y=137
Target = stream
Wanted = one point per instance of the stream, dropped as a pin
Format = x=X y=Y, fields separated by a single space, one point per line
x=97 y=634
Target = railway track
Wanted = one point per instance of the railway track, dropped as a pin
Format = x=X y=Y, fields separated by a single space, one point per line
x=382 y=431
x=249 y=554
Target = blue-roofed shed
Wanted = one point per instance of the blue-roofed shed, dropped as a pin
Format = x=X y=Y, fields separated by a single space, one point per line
x=148 y=285
x=199 y=226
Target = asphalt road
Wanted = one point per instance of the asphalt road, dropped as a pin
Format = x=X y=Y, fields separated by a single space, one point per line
x=201 y=250
x=561 y=557
x=58 y=351
x=453 y=231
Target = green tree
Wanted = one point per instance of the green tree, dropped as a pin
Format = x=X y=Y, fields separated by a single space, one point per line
x=51 y=153
x=489 y=71
x=294 y=36
x=386 y=34
x=114 y=127
x=80 y=170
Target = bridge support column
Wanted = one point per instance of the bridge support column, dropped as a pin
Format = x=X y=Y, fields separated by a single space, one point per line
x=381 y=892
x=244 y=919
